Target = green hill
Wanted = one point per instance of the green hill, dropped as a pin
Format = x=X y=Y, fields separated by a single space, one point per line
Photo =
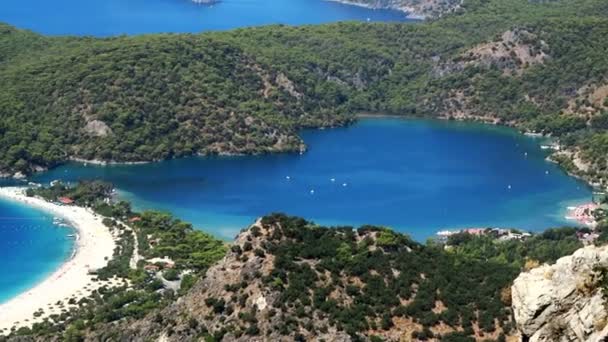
x=539 y=66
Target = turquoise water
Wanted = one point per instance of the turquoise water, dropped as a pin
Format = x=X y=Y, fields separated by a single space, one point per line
x=113 y=17
x=31 y=247
x=415 y=176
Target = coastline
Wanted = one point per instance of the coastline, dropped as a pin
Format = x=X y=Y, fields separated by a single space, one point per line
x=410 y=13
x=92 y=250
x=106 y=163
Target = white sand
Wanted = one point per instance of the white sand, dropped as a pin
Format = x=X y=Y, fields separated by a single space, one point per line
x=94 y=248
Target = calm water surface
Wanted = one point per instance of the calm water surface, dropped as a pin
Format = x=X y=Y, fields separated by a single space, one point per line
x=415 y=176
x=113 y=17
x=31 y=247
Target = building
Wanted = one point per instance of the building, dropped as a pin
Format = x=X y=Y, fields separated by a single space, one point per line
x=65 y=200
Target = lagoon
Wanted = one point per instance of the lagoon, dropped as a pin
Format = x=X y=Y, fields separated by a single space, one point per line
x=115 y=17
x=416 y=176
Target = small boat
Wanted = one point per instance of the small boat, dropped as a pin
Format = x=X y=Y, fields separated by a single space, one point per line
x=312 y=192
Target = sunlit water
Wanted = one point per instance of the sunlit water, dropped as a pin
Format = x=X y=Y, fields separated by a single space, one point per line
x=113 y=17
x=31 y=247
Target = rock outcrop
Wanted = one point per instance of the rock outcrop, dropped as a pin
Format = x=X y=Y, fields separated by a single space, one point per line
x=564 y=301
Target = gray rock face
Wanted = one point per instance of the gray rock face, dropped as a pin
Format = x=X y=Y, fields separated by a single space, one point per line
x=563 y=302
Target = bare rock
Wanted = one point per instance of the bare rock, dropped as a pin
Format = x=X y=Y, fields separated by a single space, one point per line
x=564 y=301
x=97 y=128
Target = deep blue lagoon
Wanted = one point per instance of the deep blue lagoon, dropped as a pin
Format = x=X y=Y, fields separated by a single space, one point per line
x=416 y=176
x=114 y=17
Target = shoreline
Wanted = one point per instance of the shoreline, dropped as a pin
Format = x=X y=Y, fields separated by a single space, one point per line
x=109 y=162
x=409 y=12
x=92 y=250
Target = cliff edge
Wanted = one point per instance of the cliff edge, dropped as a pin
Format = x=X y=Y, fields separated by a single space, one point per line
x=565 y=301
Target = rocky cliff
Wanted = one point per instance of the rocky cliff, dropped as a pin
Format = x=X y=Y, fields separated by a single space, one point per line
x=565 y=301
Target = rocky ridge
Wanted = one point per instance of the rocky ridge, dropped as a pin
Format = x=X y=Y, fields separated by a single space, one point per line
x=565 y=301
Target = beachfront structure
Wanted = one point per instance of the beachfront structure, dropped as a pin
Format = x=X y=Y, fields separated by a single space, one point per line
x=65 y=200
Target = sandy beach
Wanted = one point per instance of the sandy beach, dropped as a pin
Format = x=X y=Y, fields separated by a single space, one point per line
x=94 y=247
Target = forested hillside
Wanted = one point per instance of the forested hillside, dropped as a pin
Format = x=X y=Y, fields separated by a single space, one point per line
x=538 y=65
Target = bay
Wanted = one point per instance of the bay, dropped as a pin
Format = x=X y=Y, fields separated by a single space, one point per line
x=416 y=176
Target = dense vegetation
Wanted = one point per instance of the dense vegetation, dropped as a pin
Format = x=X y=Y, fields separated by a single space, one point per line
x=386 y=275
x=288 y=279
x=142 y=291
x=249 y=90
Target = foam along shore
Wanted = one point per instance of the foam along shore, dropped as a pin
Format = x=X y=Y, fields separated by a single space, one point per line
x=410 y=12
x=93 y=249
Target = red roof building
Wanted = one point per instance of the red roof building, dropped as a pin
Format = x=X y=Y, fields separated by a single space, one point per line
x=65 y=200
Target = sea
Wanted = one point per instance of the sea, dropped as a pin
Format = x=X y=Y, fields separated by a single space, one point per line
x=415 y=176
x=116 y=17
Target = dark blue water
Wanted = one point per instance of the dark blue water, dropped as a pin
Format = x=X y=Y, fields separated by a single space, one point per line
x=31 y=247
x=113 y=17
x=415 y=176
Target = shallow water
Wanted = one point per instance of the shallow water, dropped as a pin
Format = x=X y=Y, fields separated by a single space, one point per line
x=113 y=17
x=31 y=247
x=413 y=175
